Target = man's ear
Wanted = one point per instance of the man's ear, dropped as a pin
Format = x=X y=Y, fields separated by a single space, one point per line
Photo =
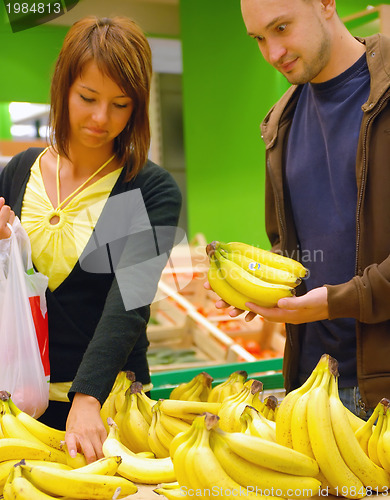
x=328 y=7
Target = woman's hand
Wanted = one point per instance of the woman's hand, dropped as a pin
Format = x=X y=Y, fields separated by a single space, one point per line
x=6 y=216
x=85 y=432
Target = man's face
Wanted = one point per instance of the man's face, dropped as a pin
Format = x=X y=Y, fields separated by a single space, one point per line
x=292 y=35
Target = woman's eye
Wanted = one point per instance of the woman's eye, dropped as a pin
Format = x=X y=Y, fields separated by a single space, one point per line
x=86 y=99
x=281 y=27
x=120 y=106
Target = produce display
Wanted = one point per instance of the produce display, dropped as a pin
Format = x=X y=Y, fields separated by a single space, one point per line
x=241 y=273
x=205 y=440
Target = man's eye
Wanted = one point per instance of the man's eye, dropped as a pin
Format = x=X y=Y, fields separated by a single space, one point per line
x=86 y=99
x=281 y=27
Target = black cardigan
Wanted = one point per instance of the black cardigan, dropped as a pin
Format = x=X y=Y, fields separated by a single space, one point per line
x=91 y=334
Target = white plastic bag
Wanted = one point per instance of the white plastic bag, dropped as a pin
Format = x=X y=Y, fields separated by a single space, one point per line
x=24 y=367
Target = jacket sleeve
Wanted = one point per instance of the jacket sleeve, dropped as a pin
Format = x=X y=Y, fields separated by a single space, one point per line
x=120 y=329
x=365 y=298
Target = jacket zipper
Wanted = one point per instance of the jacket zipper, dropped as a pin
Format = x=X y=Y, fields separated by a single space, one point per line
x=283 y=231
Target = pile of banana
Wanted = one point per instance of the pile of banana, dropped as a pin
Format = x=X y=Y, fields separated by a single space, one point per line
x=374 y=435
x=241 y=273
x=313 y=421
x=221 y=440
x=211 y=462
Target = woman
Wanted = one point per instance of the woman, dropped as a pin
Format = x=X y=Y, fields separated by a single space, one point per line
x=92 y=204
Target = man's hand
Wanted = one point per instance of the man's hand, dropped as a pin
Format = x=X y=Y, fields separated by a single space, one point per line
x=85 y=432
x=313 y=306
x=6 y=216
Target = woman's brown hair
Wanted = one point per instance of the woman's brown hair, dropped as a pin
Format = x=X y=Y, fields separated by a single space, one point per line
x=121 y=51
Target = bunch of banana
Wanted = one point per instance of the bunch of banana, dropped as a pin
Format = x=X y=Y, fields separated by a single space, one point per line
x=374 y=435
x=187 y=410
x=241 y=273
x=207 y=459
x=197 y=389
x=27 y=432
x=254 y=423
x=233 y=406
x=162 y=431
x=135 y=467
x=232 y=385
x=116 y=398
x=319 y=426
x=97 y=481
x=134 y=418
x=7 y=466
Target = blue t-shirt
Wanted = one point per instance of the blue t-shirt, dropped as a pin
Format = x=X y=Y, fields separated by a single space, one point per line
x=321 y=178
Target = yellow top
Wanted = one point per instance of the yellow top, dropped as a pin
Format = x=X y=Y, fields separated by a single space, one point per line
x=57 y=247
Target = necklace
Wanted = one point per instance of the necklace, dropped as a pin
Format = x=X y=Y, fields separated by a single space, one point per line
x=77 y=190
x=54 y=216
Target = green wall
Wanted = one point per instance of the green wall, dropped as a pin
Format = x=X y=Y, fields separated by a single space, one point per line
x=228 y=89
x=26 y=59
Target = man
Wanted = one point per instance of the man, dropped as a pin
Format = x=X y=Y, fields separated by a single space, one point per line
x=327 y=191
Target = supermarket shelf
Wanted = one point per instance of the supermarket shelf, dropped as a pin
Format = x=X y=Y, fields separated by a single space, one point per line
x=268 y=371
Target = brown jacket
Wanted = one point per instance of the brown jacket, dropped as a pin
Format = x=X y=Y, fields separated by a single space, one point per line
x=367 y=296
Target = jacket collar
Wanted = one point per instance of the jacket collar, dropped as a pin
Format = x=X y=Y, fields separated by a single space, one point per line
x=378 y=61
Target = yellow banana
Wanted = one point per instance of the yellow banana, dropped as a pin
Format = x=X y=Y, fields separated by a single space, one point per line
x=21 y=488
x=179 y=439
x=372 y=445
x=16 y=448
x=255 y=424
x=72 y=483
x=232 y=385
x=145 y=405
x=74 y=462
x=170 y=493
x=299 y=423
x=107 y=466
x=210 y=475
x=135 y=468
x=108 y=409
x=364 y=432
x=323 y=442
x=249 y=474
x=5 y=468
x=260 y=292
x=222 y=288
x=46 y=434
x=262 y=271
x=232 y=408
x=13 y=428
x=367 y=471
x=284 y=415
x=186 y=456
x=265 y=257
x=134 y=428
x=384 y=440
x=182 y=388
x=158 y=448
x=187 y=409
x=125 y=381
x=268 y=454
x=172 y=424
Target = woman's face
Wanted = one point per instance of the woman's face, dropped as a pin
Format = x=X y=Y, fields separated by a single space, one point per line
x=98 y=109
